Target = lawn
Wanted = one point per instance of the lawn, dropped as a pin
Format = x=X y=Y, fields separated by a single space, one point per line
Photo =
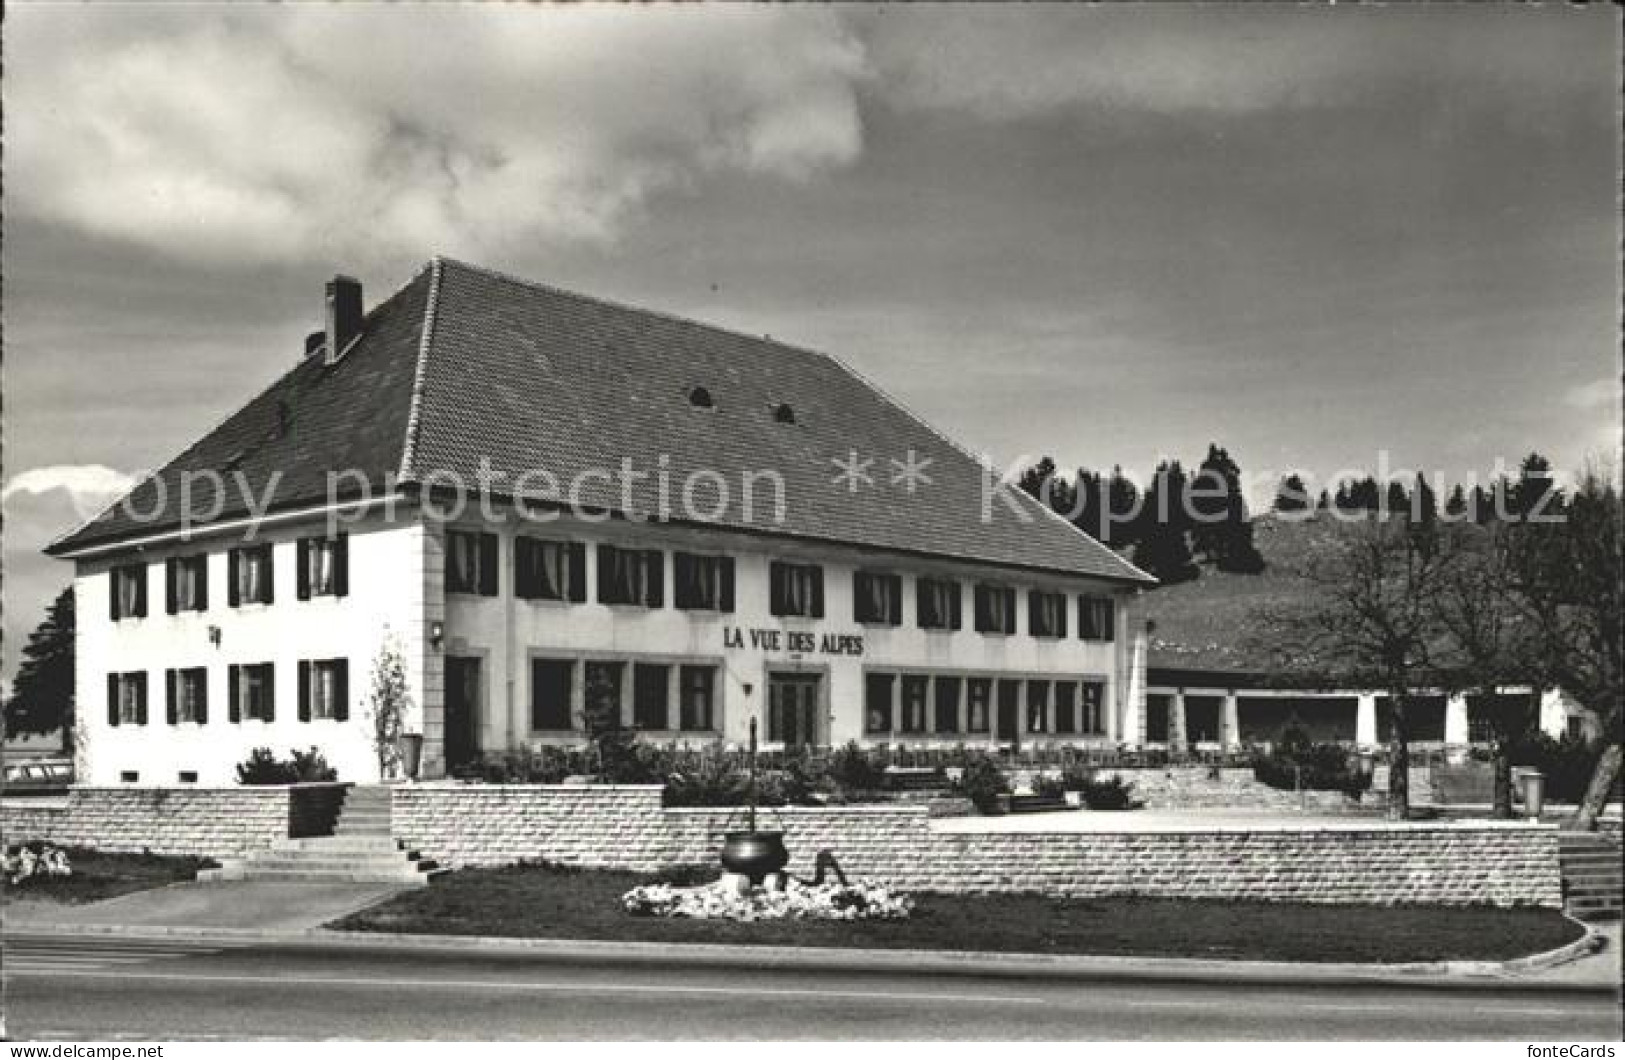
x=535 y=901
x=97 y=875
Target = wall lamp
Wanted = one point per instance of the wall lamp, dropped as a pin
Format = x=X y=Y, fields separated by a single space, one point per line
x=437 y=633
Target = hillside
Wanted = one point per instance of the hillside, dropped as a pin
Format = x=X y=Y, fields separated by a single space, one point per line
x=1204 y=624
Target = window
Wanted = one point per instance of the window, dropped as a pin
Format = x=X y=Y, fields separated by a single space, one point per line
x=877 y=598
x=937 y=606
x=1097 y=618
x=703 y=583
x=783 y=413
x=947 y=704
x=249 y=576
x=549 y=570
x=601 y=694
x=129 y=776
x=550 y=681
x=650 y=687
x=700 y=398
x=631 y=576
x=1574 y=727
x=995 y=609
x=1066 y=707
x=251 y=692
x=978 y=694
x=797 y=589
x=697 y=687
x=324 y=690
x=1046 y=614
x=1038 y=706
x=187 y=584
x=128 y=594
x=127 y=698
x=915 y=687
x=186 y=696
x=187 y=776
x=1093 y=722
x=471 y=563
x=877 y=703
x=324 y=566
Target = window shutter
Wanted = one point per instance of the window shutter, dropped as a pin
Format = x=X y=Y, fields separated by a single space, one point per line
x=341 y=688
x=203 y=583
x=606 y=573
x=1009 y=610
x=727 y=602
x=922 y=607
x=954 y=603
x=112 y=594
x=654 y=577
x=169 y=585
x=302 y=556
x=304 y=690
x=775 y=589
x=268 y=586
x=578 y=572
x=524 y=568
x=1060 y=618
x=203 y=697
x=141 y=590
x=1034 y=606
x=171 y=710
x=341 y=565
x=112 y=700
x=270 y=692
x=234 y=691
x=234 y=560
x=1108 y=620
x=817 y=591
x=141 y=698
x=488 y=564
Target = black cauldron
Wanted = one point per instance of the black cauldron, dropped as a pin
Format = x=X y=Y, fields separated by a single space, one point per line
x=754 y=854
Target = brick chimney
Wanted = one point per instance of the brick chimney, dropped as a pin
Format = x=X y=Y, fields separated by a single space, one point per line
x=343 y=315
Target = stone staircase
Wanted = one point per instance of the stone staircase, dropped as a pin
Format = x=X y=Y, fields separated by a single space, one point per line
x=1591 y=875
x=360 y=850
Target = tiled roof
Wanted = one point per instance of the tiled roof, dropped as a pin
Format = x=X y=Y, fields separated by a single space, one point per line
x=464 y=365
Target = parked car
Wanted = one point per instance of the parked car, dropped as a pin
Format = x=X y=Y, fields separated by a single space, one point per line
x=38 y=776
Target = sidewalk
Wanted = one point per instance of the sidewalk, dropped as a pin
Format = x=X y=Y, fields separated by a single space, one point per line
x=272 y=908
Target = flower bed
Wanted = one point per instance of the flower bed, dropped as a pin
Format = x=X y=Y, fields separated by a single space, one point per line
x=798 y=901
x=26 y=862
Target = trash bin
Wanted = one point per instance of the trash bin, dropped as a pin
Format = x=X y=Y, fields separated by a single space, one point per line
x=411 y=753
x=1534 y=792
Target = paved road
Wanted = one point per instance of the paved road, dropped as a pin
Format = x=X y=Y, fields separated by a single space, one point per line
x=121 y=988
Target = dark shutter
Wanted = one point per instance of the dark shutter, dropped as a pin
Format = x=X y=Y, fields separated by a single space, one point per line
x=140 y=590
x=1034 y=607
x=341 y=565
x=113 y=579
x=954 y=603
x=112 y=700
x=654 y=574
x=234 y=690
x=234 y=561
x=727 y=602
x=775 y=591
x=525 y=568
x=141 y=698
x=578 y=572
x=1108 y=619
x=268 y=690
x=169 y=585
x=302 y=555
x=1060 y=617
x=488 y=564
x=1009 y=610
x=202 y=582
x=304 y=690
x=268 y=585
x=202 y=697
x=606 y=574
x=341 y=688
x=171 y=708
x=922 y=609
x=817 y=591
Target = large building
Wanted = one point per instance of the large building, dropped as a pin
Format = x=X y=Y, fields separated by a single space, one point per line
x=541 y=500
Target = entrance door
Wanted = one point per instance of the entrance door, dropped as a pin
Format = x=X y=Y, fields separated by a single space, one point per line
x=792 y=709
x=462 y=710
x=1009 y=712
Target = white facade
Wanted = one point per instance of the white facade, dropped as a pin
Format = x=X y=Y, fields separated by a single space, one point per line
x=397 y=587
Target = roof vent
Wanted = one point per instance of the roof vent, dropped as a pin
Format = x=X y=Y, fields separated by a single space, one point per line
x=344 y=315
x=700 y=398
x=783 y=413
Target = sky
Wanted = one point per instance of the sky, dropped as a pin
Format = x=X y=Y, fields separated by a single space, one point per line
x=1328 y=238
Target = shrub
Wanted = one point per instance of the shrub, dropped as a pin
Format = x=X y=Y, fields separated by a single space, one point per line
x=1295 y=763
x=1109 y=794
x=854 y=769
x=1567 y=762
x=263 y=767
x=1049 y=787
x=982 y=782
x=23 y=863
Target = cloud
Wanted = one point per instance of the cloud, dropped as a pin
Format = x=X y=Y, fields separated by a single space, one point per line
x=1598 y=393
x=90 y=487
x=280 y=133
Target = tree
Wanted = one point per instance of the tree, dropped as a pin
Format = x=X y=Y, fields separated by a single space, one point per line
x=1456 y=506
x=1292 y=495
x=1567 y=579
x=388 y=702
x=42 y=693
x=1162 y=548
x=1122 y=510
x=1425 y=503
x=1370 y=623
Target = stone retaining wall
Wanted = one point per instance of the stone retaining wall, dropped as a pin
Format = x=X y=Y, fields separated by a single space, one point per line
x=626 y=828
x=1206 y=788
x=205 y=822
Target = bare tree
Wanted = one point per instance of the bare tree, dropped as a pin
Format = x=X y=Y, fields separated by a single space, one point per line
x=1371 y=622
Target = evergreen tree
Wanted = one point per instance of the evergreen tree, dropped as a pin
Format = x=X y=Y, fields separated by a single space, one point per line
x=1535 y=493
x=1398 y=500
x=1215 y=507
x=42 y=693
x=1123 y=510
x=1091 y=505
x=1325 y=501
x=1426 y=502
x=1456 y=506
x=1163 y=548
x=1293 y=495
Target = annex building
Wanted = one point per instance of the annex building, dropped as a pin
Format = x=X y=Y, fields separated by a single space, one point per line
x=535 y=497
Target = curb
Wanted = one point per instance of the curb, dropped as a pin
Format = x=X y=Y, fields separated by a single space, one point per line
x=1447 y=975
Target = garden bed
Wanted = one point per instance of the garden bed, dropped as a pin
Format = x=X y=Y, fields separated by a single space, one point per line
x=539 y=901
x=97 y=876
